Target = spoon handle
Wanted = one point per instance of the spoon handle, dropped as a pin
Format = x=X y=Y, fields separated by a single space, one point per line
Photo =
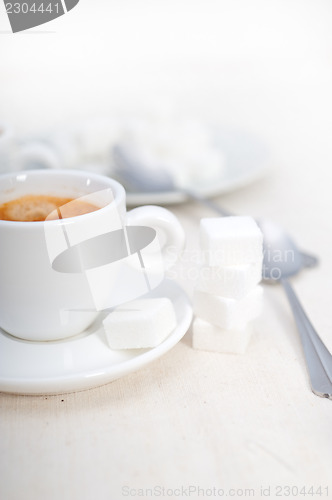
x=206 y=202
x=318 y=357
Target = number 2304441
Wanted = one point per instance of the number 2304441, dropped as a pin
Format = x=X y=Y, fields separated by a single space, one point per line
x=35 y=8
x=296 y=491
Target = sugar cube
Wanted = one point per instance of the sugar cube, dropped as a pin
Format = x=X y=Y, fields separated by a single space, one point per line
x=140 y=323
x=211 y=338
x=230 y=241
x=234 y=282
x=228 y=313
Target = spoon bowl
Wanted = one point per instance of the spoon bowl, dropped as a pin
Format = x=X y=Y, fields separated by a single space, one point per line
x=281 y=256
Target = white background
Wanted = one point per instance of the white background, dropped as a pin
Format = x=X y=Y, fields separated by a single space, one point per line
x=254 y=63
x=192 y=417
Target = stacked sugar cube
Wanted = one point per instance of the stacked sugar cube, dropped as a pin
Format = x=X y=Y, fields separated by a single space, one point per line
x=228 y=297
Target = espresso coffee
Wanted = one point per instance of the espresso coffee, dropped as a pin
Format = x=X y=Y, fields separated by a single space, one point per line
x=34 y=208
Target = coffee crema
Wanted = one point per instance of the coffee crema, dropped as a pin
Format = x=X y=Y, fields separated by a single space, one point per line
x=36 y=208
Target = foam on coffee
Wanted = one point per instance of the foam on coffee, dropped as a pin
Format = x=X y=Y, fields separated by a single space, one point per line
x=34 y=208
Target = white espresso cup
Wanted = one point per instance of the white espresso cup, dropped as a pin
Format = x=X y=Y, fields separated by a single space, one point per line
x=57 y=275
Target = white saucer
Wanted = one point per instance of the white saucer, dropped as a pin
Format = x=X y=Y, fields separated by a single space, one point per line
x=246 y=160
x=83 y=361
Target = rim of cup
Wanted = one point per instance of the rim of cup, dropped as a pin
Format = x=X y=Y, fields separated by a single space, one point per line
x=117 y=190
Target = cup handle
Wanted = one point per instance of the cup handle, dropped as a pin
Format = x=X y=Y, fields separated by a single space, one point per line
x=37 y=155
x=169 y=230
